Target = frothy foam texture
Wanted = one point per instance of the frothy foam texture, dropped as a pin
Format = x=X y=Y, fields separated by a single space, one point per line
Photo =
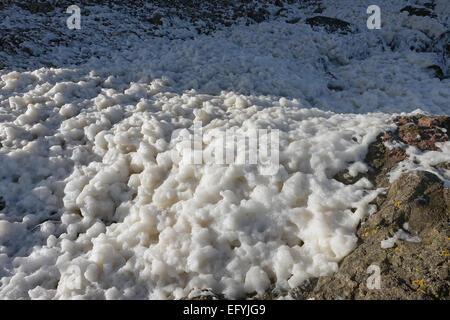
x=98 y=207
x=135 y=220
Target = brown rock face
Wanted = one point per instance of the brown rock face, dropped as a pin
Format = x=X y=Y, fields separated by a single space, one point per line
x=423 y=131
x=414 y=214
x=408 y=270
x=381 y=159
x=419 y=131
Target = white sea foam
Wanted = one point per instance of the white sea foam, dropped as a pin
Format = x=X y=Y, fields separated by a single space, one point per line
x=96 y=206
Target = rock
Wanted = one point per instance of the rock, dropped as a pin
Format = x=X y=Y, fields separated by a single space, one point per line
x=441 y=46
x=443 y=166
x=427 y=122
x=438 y=73
x=331 y=25
x=423 y=132
x=36 y=6
x=279 y=12
x=346 y=178
x=258 y=15
x=418 y=130
x=302 y=291
x=2 y=203
x=408 y=270
x=336 y=85
x=207 y=295
x=419 y=199
x=156 y=19
x=421 y=12
x=412 y=222
x=293 y=21
x=318 y=10
x=381 y=159
x=429 y=5
x=278 y=3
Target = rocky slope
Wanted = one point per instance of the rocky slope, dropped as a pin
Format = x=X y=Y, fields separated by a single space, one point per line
x=408 y=237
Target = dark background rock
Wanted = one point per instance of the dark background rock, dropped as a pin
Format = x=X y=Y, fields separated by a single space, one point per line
x=330 y=24
x=418 y=11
